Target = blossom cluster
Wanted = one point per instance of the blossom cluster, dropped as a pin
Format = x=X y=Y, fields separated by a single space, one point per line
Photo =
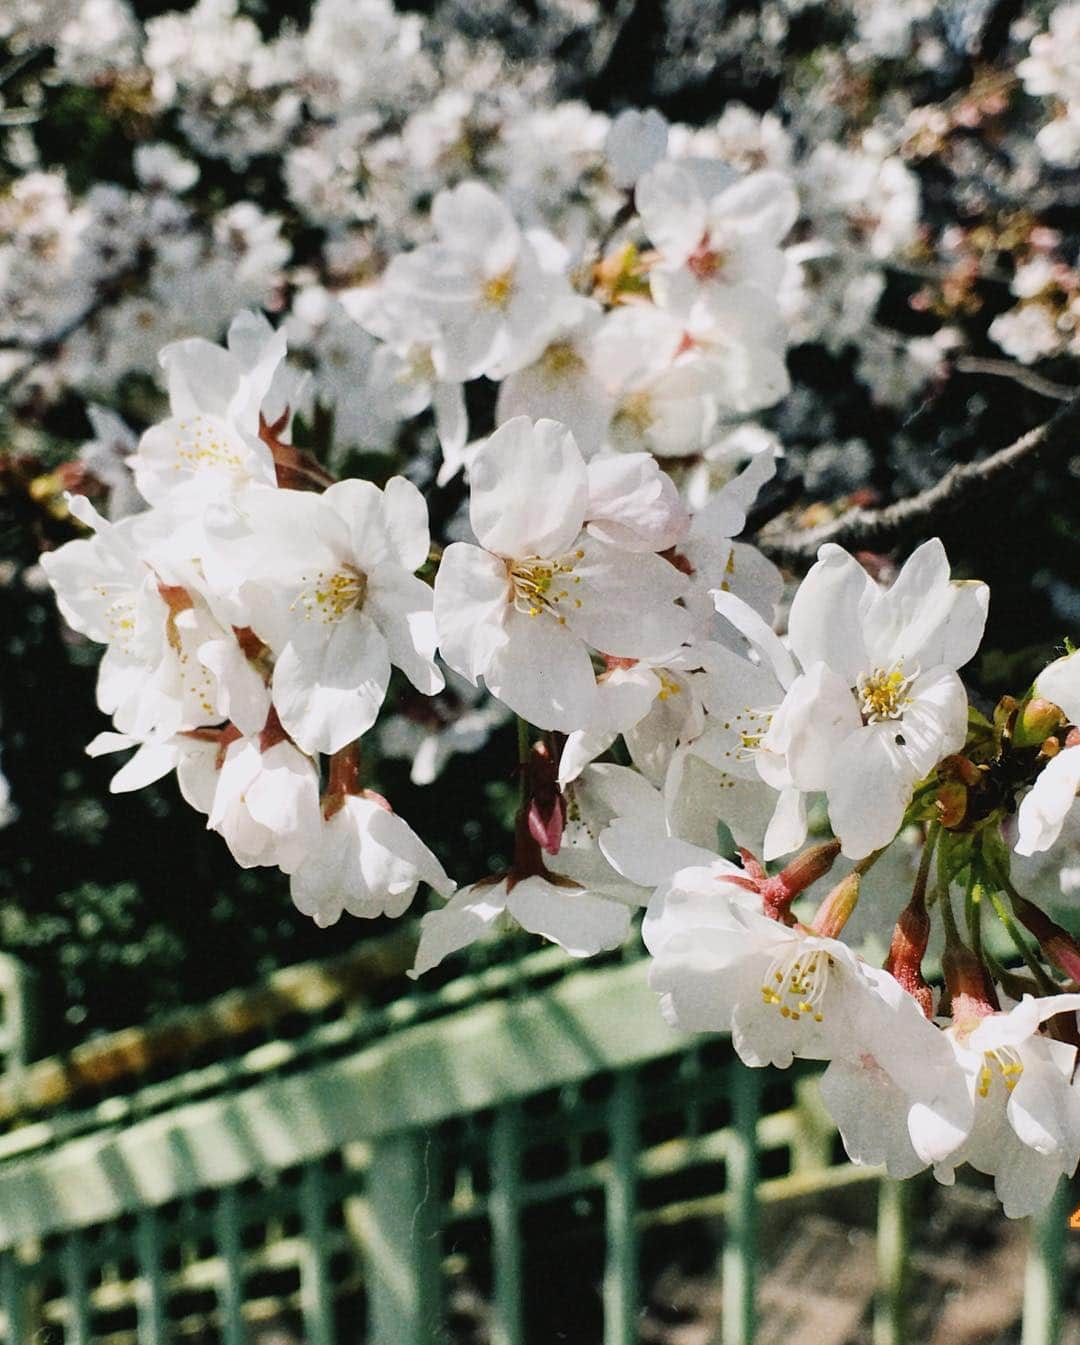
x=566 y=331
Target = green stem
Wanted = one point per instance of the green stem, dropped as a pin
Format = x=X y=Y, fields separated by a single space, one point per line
x=973 y=895
x=523 y=740
x=948 y=915
x=1047 y=986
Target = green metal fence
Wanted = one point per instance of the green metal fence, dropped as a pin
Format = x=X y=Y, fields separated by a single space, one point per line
x=375 y=1151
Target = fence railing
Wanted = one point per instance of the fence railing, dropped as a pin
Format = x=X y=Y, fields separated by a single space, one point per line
x=348 y=1180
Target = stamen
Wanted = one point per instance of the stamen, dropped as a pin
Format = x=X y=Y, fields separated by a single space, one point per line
x=329 y=597
x=796 y=981
x=883 y=693
x=540 y=584
x=1006 y=1061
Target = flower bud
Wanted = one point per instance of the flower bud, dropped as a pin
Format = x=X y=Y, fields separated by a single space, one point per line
x=1037 y=719
x=1057 y=943
x=834 y=912
x=907 y=950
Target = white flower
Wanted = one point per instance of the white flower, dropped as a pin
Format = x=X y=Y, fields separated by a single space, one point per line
x=327 y=582
x=522 y=608
x=365 y=861
x=724 y=243
x=879 y=703
x=1026 y=1130
x=266 y=804
x=480 y=296
x=210 y=445
x=720 y=965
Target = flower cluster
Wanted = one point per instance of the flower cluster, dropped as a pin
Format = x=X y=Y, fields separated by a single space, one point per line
x=550 y=338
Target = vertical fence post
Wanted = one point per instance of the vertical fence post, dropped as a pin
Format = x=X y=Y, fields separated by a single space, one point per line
x=403 y=1245
x=316 y=1291
x=893 y=1240
x=76 y=1294
x=620 y=1211
x=1043 y=1275
x=13 y=1293
x=504 y=1213
x=740 y=1242
x=150 y=1291
x=230 y=1254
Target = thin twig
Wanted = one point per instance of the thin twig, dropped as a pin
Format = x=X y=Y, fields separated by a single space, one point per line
x=1042 y=387
x=919 y=516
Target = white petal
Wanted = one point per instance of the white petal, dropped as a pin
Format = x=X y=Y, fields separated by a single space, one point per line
x=1044 y=808
x=401 y=607
x=528 y=489
x=471 y=603
x=870 y=785
x=543 y=673
x=825 y=624
x=628 y=606
x=466 y=917
x=578 y=921
x=328 y=691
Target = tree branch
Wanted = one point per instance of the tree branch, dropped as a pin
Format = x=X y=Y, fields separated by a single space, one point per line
x=961 y=487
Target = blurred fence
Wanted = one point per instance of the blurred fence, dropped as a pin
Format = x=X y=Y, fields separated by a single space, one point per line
x=325 y=1158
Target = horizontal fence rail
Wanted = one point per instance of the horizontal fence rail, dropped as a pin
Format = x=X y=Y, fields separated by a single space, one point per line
x=462 y=1152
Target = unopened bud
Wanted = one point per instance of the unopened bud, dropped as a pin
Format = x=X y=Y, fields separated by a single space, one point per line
x=907 y=950
x=835 y=911
x=1037 y=719
x=1057 y=943
x=1050 y=748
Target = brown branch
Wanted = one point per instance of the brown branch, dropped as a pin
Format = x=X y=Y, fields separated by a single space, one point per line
x=1019 y=373
x=919 y=516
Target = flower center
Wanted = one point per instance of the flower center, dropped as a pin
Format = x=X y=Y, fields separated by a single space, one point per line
x=705 y=261
x=561 y=360
x=541 y=585
x=637 y=412
x=796 y=981
x=202 y=444
x=498 y=290
x=883 y=693
x=1006 y=1061
x=668 y=685
x=329 y=597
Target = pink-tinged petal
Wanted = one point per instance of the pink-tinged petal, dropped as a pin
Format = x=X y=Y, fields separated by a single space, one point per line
x=579 y=922
x=627 y=602
x=401 y=607
x=466 y=917
x=870 y=785
x=543 y=673
x=471 y=607
x=328 y=691
x=826 y=621
x=528 y=489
